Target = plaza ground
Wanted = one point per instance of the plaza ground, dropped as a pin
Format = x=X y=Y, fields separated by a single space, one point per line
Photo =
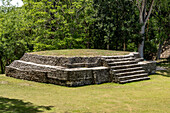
x=149 y=96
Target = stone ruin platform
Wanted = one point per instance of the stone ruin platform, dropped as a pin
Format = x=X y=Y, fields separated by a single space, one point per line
x=79 y=71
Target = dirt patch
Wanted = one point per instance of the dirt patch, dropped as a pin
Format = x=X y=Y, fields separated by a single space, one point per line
x=160 y=68
x=111 y=87
x=4 y=82
x=25 y=84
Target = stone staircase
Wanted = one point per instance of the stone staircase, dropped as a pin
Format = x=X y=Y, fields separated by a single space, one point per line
x=126 y=69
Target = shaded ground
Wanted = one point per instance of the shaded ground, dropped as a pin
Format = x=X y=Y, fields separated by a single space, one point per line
x=163 y=67
x=150 y=96
x=8 y=105
x=81 y=52
x=163 y=71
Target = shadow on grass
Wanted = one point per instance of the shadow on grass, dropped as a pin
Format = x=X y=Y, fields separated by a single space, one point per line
x=165 y=73
x=18 y=106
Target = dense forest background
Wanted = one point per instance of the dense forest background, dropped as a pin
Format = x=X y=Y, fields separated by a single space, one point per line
x=67 y=24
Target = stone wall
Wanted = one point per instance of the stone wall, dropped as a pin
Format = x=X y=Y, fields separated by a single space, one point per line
x=38 y=76
x=62 y=61
x=149 y=66
x=65 y=77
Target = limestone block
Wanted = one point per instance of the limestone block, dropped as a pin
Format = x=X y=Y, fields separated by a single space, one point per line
x=101 y=76
x=75 y=65
x=152 y=67
x=97 y=63
x=57 y=82
x=59 y=74
x=38 y=76
x=79 y=83
x=47 y=60
x=79 y=75
x=135 y=54
x=149 y=66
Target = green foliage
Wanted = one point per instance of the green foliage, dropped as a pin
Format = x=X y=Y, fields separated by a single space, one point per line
x=116 y=23
x=158 y=28
x=12 y=45
x=59 y=25
x=49 y=24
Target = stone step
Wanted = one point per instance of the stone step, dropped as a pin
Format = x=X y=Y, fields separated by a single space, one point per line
x=122 y=78
x=57 y=60
x=127 y=69
x=80 y=65
x=75 y=65
x=117 y=57
x=133 y=80
x=34 y=75
x=129 y=73
x=122 y=63
x=118 y=60
x=125 y=66
x=139 y=59
x=78 y=75
x=33 y=66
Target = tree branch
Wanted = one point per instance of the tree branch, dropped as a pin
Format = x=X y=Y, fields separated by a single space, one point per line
x=144 y=10
x=138 y=5
x=150 y=10
x=143 y=5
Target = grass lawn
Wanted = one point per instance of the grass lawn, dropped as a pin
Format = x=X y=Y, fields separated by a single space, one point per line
x=150 y=96
x=81 y=52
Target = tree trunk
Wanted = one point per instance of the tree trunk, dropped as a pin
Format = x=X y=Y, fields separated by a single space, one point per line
x=141 y=45
x=108 y=47
x=159 y=50
x=124 y=45
x=1 y=65
x=160 y=46
x=143 y=17
x=108 y=43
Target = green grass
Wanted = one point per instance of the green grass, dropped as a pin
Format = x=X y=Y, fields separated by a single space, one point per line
x=81 y=52
x=150 y=96
x=165 y=72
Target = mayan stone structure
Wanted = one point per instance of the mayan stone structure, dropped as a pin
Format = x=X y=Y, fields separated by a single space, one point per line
x=79 y=71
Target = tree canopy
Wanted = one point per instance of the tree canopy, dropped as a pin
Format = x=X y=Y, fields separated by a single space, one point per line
x=98 y=24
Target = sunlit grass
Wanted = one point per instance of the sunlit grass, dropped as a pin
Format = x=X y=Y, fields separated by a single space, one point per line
x=81 y=52
x=150 y=96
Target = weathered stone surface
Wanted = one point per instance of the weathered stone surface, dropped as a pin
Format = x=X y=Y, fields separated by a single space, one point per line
x=97 y=63
x=47 y=60
x=79 y=83
x=80 y=75
x=58 y=74
x=57 y=61
x=78 y=71
x=101 y=76
x=38 y=76
x=75 y=65
x=149 y=66
x=135 y=54
x=32 y=66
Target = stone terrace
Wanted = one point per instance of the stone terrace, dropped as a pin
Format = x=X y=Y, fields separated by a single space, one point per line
x=79 y=71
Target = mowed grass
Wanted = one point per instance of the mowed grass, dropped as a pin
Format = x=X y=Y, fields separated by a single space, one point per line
x=81 y=52
x=21 y=96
